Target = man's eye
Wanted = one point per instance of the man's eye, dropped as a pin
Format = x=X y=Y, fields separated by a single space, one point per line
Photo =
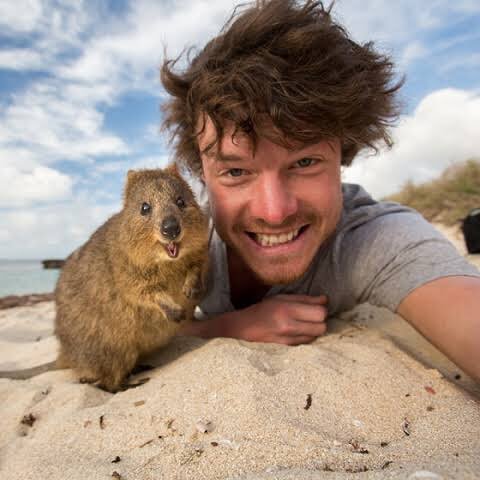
x=235 y=172
x=305 y=162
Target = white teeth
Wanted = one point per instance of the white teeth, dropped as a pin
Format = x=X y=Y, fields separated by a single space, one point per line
x=272 y=240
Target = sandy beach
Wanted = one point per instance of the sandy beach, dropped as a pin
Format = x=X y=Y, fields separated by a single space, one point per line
x=370 y=400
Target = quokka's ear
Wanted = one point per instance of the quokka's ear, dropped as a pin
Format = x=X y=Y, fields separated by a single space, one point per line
x=172 y=168
x=132 y=178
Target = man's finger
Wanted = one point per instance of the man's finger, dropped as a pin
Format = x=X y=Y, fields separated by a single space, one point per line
x=310 y=326
x=310 y=299
x=308 y=313
x=300 y=340
x=310 y=329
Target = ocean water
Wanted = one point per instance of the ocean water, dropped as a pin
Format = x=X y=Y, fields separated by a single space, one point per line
x=19 y=277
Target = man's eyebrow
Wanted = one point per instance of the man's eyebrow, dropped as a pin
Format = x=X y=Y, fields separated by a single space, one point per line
x=224 y=157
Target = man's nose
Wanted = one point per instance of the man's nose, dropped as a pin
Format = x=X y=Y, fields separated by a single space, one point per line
x=273 y=201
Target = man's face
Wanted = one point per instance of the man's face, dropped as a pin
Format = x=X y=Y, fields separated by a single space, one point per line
x=273 y=207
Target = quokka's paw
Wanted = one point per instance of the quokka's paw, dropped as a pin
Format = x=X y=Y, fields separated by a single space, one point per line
x=175 y=314
x=88 y=380
x=193 y=287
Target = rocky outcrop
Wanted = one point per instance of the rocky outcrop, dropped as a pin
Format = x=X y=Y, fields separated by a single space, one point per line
x=53 y=263
x=24 y=300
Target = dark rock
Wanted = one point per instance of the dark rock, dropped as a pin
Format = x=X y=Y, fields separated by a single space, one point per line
x=24 y=300
x=53 y=263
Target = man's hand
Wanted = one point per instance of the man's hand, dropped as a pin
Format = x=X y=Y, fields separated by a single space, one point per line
x=286 y=319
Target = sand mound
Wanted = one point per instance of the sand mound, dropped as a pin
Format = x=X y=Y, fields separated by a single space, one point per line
x=350 y=402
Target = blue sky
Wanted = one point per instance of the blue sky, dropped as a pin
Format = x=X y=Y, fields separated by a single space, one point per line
x=80 y=99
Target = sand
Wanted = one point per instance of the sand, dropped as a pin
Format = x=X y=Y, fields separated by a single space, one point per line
x=367 y=401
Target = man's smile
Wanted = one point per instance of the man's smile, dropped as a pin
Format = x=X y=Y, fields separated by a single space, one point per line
x=273 y=240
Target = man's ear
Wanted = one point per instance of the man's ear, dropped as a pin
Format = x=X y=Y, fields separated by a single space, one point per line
x=132 y=178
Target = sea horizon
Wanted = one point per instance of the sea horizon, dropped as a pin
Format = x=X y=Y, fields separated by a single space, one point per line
x=29 y=259
x=25 y=276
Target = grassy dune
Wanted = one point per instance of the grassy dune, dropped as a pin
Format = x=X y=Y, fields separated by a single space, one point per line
x=447 y=199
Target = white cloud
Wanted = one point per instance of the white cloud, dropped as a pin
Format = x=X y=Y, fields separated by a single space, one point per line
x=383 y=19
x=51 y=27
x=156 y=161
x=112 y=167
x=129 y=54
x=20 y=59
x=413 y=51
x=437 y=53
x=41 y=184
x=464 y=38
x=20 y=15
x=122 y=167
x=18 y=157
x=397 y=22
x=54 y=230
x=55 y=126
x=465 y=61
x=60 y=118
x=441 y=131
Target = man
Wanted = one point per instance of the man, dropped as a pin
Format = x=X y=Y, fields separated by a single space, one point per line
x=266 y=115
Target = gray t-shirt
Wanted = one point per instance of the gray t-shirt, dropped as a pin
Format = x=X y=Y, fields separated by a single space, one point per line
x=379 y=253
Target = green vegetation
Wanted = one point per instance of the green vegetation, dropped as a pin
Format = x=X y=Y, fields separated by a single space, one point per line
x=447 y=199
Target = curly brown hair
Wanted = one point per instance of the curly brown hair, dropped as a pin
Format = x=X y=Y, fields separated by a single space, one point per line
x=288 y=63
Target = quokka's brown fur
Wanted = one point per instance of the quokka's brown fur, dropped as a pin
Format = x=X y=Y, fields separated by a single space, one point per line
x=128 y=289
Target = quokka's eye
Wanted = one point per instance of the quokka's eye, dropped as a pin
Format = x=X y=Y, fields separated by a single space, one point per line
x=180 y=202
x=146 y=208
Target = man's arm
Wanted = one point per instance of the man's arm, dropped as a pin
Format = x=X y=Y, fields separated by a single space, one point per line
x=447 y=313
x=286 y=319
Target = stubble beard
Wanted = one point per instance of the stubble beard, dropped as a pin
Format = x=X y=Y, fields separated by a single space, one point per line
x=281 y=269
x=279 y=272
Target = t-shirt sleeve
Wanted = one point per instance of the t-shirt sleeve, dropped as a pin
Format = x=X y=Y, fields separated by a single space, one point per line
x=392 y=255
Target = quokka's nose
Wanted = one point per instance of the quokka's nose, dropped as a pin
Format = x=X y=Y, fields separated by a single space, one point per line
x=170 y=228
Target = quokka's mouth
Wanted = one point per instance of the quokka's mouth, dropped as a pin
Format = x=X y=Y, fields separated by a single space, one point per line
x=172 y=249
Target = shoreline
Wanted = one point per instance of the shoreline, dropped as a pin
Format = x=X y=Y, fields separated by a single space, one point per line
x=26 y=300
